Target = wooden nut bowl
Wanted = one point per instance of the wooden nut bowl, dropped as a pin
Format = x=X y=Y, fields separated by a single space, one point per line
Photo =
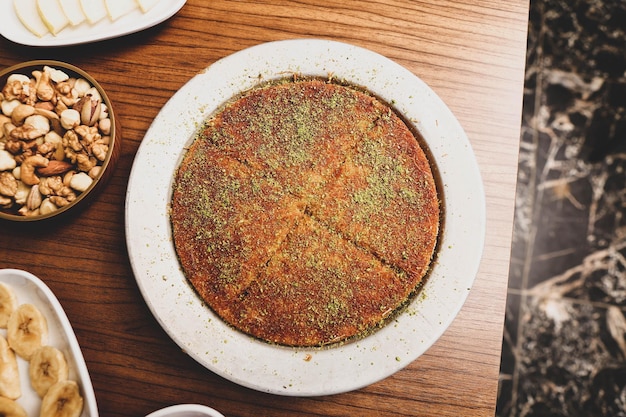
x=107 y=162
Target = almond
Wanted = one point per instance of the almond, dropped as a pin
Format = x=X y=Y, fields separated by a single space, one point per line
x=55 y=168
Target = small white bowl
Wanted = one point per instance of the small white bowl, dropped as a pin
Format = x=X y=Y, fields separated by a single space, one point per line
x=186 y=410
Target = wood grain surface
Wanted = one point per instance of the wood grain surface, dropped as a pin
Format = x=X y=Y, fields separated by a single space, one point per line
x=470 y=52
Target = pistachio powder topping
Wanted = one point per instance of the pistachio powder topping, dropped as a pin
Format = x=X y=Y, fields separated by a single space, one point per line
x=305 y=213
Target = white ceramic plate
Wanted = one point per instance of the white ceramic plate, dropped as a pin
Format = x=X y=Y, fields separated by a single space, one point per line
x=280 y=370
x=186 y=410
x=30 y=289
x=12 y=29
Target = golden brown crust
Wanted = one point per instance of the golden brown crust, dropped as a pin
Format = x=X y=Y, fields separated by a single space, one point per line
x=305 y=213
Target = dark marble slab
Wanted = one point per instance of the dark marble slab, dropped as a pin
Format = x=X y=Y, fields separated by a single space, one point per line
x=564 y=346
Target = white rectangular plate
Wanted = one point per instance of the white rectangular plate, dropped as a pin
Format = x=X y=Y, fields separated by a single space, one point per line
x=12 y=29
x=30 y=289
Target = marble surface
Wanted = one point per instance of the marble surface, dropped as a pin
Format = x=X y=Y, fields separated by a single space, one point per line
x=564 y=345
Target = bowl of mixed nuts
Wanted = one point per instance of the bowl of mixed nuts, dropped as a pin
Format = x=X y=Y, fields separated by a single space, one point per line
x=59 y=139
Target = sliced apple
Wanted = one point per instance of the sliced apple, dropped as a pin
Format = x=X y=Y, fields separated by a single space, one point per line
x=52 y=15
x=73 y=11
x=119 y=8
x=94 y=10
x=26 y=11
x=146 y=5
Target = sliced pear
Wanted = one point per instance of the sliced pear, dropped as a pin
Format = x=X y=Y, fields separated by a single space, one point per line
x=94 y=10
x=52 y=15
x=146 y=5
x=27 y=13
x=119 y=8
x=73 y=11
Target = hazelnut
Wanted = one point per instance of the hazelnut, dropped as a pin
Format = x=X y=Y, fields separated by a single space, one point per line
x=70 y=119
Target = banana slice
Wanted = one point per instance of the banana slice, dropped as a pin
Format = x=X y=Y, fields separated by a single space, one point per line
x=63 y=399
x=8 y=303
x=9 y=408
x=47 y=366
x=27 y=330
x=9 y=373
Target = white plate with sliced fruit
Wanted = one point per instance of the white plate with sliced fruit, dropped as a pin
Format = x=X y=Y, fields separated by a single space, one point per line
x=71 y=22
x=42 y=369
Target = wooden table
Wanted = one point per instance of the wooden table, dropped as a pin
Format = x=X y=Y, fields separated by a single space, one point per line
x=471 y=52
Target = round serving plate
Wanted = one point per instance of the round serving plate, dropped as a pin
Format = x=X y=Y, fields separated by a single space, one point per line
x=297 y=371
